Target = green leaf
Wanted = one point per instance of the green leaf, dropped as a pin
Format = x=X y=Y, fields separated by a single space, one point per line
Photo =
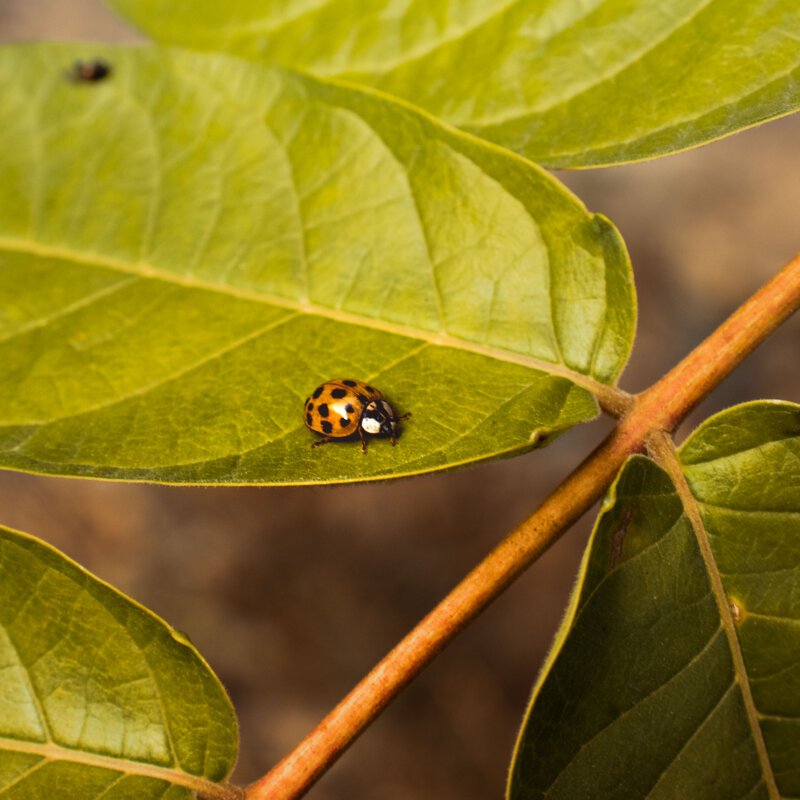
x=99 y=697
x=565 y=84
x=190 y=246
x=660 y=685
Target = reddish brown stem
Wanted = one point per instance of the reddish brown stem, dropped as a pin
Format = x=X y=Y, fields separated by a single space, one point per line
x=660 y=408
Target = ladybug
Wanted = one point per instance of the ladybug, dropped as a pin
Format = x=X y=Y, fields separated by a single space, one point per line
x=89 y=71
x=343 y=407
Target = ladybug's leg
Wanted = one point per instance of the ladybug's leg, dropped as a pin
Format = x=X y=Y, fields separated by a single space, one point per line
x=363 y=439
x=394 y=434
x=322 y=441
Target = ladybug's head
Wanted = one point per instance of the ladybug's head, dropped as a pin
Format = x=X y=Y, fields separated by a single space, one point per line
x=379 y=417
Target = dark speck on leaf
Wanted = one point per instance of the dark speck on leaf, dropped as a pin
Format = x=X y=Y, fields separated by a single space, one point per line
x=89 y=71
x=618 y=537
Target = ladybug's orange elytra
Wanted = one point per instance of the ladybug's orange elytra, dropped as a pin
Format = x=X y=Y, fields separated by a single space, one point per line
x=342 y=407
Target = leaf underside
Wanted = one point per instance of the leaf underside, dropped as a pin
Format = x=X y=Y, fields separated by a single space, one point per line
x=658 y=709
x=100 y=699
x=565 y=84
x=190 y=246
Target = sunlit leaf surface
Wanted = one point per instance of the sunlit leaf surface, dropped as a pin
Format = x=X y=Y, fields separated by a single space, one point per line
x=189 y=246
x=564 y=83
x=98 y=697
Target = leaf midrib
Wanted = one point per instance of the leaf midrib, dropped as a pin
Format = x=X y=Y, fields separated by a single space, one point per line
x=442 y=339
x=54 y=752
x=666 y=455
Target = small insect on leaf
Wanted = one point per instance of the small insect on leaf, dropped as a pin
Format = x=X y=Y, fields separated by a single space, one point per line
x=89 y=71
x=340 y=408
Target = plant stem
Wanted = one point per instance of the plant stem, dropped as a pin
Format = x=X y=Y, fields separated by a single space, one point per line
x=659 y=408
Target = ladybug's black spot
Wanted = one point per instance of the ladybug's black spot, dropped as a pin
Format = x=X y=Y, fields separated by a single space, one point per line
x=362 y=398
x=349 y=383
x=349 y=408
x=308 y=418
x=338 y=393
x=317 y=392
x=322 y=409
x=326 y=426
x=370 y=389
x=310 y=406
x=344 y=422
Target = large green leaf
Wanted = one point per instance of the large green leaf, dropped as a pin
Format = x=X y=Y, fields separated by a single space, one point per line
x=190 y=246
x=644 y=695
x=564 y=83
x=99 y=698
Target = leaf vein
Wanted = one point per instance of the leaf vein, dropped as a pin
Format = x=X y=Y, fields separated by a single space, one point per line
x=599 y=78
x=143 y=390
x=694 y=735
x=68 y=309
x=142 y=269
x=695 y=658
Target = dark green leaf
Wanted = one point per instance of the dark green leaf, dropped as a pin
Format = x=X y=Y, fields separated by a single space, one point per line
x=644 y=695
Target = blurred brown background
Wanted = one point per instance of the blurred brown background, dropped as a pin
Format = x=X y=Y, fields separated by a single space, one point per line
x=293 y=594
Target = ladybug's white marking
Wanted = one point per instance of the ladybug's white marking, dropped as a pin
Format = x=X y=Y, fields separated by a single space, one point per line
x=371 y=425
x=339 y=408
